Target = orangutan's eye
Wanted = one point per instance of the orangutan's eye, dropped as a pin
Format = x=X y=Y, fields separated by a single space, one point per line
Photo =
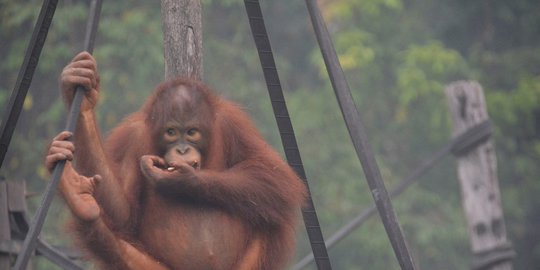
x=193 y=135
x=171 y=132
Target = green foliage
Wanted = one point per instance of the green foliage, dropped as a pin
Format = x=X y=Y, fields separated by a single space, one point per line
x=421 y=77
x=355 y=53
x=513 y=106
x=348 y=8
x=397 y=55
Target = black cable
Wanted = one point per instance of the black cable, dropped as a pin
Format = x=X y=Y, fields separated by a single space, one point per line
x=56 y=256
x=26 y=73
x=286 y=131
x=30 y=242
x=359 y=138
x=467 y=140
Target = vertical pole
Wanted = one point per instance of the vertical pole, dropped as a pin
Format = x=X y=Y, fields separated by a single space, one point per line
x=5 y=231
x=477 y=173
x=182 y=38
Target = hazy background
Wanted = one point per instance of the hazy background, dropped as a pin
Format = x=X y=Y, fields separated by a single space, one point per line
x=397 y=54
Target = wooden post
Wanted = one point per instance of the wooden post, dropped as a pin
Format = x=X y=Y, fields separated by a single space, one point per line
x=12 y=203
x=182 y=38
x=477 y=173
x=5 y=233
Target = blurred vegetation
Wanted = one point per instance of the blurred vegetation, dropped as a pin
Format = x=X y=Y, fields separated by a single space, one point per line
x=397 y=54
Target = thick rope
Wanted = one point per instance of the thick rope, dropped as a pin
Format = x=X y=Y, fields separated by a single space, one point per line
x=468 y=140
x=30 y=242
x=359 y=138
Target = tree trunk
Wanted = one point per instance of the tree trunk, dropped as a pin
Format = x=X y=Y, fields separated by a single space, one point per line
x=477 y=172
x=182 y=38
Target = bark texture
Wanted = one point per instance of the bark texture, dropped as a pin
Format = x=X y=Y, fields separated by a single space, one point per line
x=182 y=38
x=477 y=172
